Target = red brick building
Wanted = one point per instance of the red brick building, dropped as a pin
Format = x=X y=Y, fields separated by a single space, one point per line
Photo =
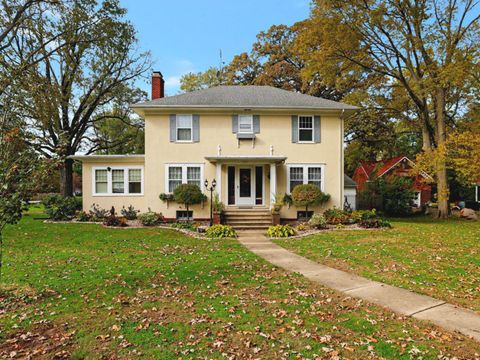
x=397 y=166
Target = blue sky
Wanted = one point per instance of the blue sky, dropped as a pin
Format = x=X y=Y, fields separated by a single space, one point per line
x=187 y=35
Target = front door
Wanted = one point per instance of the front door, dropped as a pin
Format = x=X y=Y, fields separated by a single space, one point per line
x=245 y=183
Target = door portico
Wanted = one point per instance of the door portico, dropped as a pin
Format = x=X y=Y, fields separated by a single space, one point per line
x=246 y=179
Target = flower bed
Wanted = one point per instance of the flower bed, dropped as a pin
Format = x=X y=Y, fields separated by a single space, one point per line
x=330 y=220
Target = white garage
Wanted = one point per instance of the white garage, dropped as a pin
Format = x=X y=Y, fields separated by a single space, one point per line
x=350 y=193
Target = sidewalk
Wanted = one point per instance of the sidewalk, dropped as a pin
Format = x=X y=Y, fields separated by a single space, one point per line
x=399 y=300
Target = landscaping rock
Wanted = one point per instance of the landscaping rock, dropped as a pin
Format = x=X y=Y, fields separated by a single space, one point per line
x=468 y=214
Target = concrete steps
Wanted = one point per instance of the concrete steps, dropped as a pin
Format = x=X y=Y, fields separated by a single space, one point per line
x=248 y=219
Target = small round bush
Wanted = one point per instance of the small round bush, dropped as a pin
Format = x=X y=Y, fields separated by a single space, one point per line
x=220 y=231
x=318 y=221
x=280 y=231
x=150 y=218
x=114 y=221
x=375 y=223
x=129 y=213
x=337 y=216
x=82 y=216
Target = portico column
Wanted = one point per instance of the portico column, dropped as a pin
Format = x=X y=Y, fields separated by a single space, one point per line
x=218 y=178
x=273 y=184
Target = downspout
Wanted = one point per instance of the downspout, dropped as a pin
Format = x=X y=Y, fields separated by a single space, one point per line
x=342 y=178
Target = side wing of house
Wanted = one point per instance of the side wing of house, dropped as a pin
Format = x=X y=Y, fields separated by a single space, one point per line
x=116 y=181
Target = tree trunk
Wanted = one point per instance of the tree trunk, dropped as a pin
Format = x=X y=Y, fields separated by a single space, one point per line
x=442 y=180
x=66 y=178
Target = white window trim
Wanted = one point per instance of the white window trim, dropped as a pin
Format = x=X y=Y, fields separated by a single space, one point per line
x=184 y=167
x=305 y=174
x=177 y=127
x=125 y=180
x=313 y=130
x=250 y=117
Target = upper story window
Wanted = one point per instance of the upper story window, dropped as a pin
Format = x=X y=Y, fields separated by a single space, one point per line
x=178 y=174
x=305 y=174
x=184 y=127
x=118 y=181
x=245 y=124
x=305 y=128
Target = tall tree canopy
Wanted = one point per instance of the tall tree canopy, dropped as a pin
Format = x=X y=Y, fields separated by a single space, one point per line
x=72 y=88
x=424 y=48
x=412 y=66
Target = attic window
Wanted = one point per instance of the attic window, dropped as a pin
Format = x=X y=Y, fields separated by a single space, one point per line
x=245 y=124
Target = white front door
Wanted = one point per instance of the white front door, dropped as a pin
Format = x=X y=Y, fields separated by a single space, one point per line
x=245 y=189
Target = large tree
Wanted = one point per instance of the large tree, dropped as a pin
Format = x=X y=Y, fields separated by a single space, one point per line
x=274 y=60
x=426 y=48
x=72 y=88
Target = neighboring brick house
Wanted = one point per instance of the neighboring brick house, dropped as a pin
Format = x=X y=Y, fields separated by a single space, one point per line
x=397 y=166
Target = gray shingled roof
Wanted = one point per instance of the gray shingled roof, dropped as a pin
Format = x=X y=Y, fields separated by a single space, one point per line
x=244 y=97
x=348 y=181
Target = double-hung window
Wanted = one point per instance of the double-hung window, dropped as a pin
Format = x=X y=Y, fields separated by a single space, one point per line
x=134 y=181
x=184 y=127
x=118 y=181
x=245 y=124
x=305 y=128
x=178 y=174
x=101 y=181
x=305 y=174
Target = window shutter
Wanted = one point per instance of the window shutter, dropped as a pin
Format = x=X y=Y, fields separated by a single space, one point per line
x=294 y=128
x=234 y=124
x=256 y=124
x=316 y=129
x=196 y=128
x=173 y=127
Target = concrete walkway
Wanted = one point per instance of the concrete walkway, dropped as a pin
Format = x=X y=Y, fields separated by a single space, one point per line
x=399 y=300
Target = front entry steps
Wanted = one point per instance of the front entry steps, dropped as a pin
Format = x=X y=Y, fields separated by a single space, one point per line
x=248 y=219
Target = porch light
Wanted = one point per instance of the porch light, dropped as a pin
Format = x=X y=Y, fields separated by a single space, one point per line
x=211 y=189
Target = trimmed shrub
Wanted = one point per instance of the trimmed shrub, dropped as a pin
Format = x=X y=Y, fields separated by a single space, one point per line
x=308 y=195
x=188 y=194
x=335 y=216
x=58 y=207
x=280 y=231
x=97 y=213
x=359 y=215
x=150 y=218
x=318 y=221
x=83 y=216
x=220 y=231
x=114 y=221
x=374 y=223
x=129 y=213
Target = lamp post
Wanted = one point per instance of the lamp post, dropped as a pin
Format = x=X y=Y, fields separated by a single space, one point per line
x=211 y=189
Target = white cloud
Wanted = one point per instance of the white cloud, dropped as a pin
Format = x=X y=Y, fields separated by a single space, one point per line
x=172 y=82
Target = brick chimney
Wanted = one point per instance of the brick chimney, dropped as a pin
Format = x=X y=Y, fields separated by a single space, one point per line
x=158 y=85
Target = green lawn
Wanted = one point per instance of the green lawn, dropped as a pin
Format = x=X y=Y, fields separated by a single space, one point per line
x=84 y=291
x=433 y=257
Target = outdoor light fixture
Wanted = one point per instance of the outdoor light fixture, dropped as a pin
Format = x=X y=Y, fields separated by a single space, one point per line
x=211 y=189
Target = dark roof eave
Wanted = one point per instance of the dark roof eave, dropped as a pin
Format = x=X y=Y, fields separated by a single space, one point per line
x=242 y=107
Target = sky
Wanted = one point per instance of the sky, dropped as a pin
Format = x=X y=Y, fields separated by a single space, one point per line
x=187 y=35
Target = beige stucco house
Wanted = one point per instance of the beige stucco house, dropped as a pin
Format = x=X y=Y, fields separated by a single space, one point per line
x=255 y=141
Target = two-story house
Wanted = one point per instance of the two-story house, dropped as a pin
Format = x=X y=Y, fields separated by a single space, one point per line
x=255 y=141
